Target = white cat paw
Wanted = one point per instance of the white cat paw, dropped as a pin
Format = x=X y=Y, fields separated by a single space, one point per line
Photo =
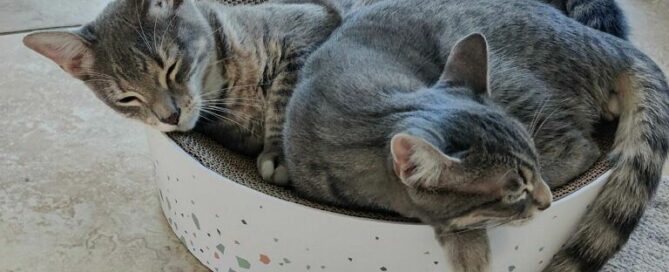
x=272 y=168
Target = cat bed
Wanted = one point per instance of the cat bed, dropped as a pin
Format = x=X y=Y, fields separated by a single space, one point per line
x=217 y=204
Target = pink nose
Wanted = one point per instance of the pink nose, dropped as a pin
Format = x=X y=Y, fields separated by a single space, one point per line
x=542 y=195
x=173 y=119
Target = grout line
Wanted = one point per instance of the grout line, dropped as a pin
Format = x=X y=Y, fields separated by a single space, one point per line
x=36 y=29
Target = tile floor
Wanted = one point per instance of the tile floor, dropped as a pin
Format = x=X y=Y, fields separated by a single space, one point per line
x=76 y=185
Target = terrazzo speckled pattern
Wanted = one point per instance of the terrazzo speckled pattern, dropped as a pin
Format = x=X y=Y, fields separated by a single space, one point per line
x=76 y=187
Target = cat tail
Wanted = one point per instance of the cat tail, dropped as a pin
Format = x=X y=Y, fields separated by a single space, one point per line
x=603 y=15
x=639 y=151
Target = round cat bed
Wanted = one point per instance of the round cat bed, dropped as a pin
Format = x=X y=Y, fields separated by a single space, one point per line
x=217 y=204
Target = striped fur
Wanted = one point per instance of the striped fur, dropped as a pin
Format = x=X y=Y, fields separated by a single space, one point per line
x=640 y=149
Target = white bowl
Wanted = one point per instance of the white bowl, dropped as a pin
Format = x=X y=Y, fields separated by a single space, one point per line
x=231 y=227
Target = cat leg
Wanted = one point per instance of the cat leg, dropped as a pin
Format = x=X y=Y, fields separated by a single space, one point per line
x=468 y=250
x=271 y=162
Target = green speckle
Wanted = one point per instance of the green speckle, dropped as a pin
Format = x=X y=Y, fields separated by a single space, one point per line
x=231 y=270
x=169 y=205
x=541 y=249
x=243 y=263
x=183 y=240
x=196 y=221
x=285 y=260
x=511 y=268
x=221 y=248
x=383 y=268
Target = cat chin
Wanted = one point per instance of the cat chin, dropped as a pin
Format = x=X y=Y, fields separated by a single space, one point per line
x=189 y=122
x=164 y=127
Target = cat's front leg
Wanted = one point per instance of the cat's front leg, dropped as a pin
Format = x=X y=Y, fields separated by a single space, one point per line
x=272 y=166
x=468 y=250
x=271 y=162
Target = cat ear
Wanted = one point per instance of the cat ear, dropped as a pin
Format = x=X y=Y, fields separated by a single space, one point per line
x=161 y=8
x=418 y=163
x=68 y=50
x=468 y=64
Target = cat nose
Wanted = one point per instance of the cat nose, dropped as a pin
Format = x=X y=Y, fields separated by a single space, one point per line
x=542 y=195
x=543 y=206
x=173 y=119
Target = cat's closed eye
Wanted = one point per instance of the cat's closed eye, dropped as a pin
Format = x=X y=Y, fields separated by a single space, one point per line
x=129 y=100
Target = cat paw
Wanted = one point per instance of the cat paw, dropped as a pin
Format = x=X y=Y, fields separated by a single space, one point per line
x=272 y=168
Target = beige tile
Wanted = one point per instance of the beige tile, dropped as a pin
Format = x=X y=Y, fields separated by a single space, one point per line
x=16 y=15
x=76 y=185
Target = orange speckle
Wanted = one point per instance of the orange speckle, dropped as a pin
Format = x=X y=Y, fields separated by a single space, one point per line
x=264 y=259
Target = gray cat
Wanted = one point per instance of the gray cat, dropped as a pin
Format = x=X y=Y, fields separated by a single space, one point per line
x=175 y=64
x=404 y=109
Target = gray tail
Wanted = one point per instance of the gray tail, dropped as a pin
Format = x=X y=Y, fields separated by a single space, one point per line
x=639 y=151
x=603 y=15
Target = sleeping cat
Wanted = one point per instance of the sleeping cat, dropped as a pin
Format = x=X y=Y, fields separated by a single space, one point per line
x=227 y=71
x=175 y=64
x=404 y=109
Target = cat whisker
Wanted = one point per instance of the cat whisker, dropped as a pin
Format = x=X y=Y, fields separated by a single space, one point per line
x=535 y=118
x=242 y=116
x=141 y=27
x=216 y=30
x=169 y=26
x=260 y=84
x=217 y=115
x=234 y=99
x=255 y=105
x=221 y=60
x=544 y=122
